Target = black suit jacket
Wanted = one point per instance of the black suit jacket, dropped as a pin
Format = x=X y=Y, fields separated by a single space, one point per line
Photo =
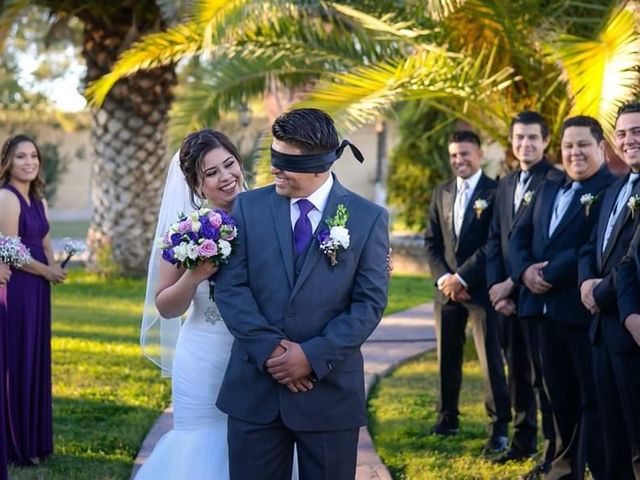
x=594 y=263
x=628 y=284
x=530 y=243
x=464 y=255
x=504 y=218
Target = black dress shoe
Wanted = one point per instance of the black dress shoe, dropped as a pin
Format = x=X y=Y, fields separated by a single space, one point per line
x=496 y=444
x=537 y=472
x=446 y=427
x=513 y=455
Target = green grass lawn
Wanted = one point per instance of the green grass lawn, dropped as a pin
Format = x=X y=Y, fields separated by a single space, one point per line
x=402 y=410
x=105 y=395
x=74 y=229
x=406 y=291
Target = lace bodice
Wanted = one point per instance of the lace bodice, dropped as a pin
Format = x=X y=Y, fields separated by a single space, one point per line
x=203 y=309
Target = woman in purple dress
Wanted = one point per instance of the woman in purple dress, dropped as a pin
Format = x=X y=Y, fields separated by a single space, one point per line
x=28 y=430
x=5 y=274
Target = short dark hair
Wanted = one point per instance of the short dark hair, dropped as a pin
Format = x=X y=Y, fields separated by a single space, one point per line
x=529 y=117
x=195 y=147
x=36 y=187
x=584 y=121
x=633 y=107
x=309 y=129
x=460 y=136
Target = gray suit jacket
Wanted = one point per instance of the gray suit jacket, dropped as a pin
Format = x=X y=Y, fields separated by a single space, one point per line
x=329 y=311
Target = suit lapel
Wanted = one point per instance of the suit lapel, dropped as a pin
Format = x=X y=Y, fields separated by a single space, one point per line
x=448 y=197
x=511 y=192
x=282 y=223
x=575 y=207
x=336 y=196
x=469 y=213
x=622 y=219
x=548 y=196
x=607 y=210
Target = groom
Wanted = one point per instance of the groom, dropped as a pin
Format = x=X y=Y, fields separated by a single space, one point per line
x=295 y=374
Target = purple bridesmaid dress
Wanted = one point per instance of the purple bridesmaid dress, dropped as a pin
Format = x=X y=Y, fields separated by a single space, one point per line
x=29 y=409
x=3 y=377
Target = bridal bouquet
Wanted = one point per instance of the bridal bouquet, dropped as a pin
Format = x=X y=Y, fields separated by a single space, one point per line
x=13 y=252
x=205 y=235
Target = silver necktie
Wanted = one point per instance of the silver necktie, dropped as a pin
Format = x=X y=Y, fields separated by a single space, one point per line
x=562 y=202
x=460 y=207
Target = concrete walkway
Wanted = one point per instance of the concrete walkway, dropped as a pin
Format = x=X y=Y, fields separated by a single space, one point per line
x=399 y=337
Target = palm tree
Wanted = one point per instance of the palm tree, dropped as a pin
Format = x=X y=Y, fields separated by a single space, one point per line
x=480 y=61
x=128 y=130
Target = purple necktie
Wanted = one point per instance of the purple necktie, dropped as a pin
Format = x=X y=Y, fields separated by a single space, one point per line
x=302 y=229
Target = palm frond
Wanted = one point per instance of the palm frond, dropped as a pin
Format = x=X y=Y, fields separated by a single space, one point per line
x=433 y=74
x=10 y=10
x=601 y=73
x=154 y=50
x=383 y=24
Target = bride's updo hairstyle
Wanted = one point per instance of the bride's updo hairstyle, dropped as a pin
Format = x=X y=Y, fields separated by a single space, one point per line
x=194 y=148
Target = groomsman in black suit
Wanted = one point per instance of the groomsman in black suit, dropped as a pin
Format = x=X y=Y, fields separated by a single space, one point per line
x=624 y=359
x=611 y=341
x=529 y=136
x=455 y=239
x=544 y=252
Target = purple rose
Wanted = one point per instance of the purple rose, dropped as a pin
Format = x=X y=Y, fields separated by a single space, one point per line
x=176 y=238
x=323 y=236
x=209 y=231
x=169 y=256
x=215 y=218
x=192 y=236
x=227 y=219
x=204 y=219
x=185 y=226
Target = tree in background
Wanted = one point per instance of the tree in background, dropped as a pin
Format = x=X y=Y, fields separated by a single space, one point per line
x=128 y=131
x=480 y=61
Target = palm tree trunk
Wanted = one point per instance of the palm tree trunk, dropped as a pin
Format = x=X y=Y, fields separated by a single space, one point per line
x=129 y=139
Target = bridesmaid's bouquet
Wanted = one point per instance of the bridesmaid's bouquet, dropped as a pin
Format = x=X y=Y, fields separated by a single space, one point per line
x=71 y=247
x=13 y=252
x=205 y=235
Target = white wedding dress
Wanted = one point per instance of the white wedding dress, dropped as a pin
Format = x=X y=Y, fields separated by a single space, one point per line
x=196 y=448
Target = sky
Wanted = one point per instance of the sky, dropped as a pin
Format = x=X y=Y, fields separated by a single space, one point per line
x=64 y=91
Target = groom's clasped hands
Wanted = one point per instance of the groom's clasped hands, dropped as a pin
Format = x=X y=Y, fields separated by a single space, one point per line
x=289 y=366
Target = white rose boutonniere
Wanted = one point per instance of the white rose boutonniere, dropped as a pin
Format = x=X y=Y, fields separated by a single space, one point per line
x=479 y=206
x=528 y=197
x=336 y=237
x=634 y=204
x=588 y=200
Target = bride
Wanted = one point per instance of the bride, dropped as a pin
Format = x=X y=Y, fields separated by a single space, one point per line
x=207 y=168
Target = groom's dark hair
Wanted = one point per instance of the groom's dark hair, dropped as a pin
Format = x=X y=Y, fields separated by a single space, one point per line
x=309 y=129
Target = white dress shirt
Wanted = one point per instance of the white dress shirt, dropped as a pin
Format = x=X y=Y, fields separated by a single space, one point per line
x=472 y=183
x=318 y=198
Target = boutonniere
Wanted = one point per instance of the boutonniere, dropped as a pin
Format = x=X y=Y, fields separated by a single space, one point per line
x=528 y=197
x=634 y=204
x=336 y=237
x=480 y=206
x=588 y=200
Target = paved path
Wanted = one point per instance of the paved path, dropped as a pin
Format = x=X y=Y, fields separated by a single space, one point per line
x=399 y=337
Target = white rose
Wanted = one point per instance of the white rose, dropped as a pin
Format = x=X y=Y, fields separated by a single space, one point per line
x=194 y=216
x=340 y=235
x=224 y=248
x=180 y=252
x=203 y=211
x=195 y=226
x=192 y=251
